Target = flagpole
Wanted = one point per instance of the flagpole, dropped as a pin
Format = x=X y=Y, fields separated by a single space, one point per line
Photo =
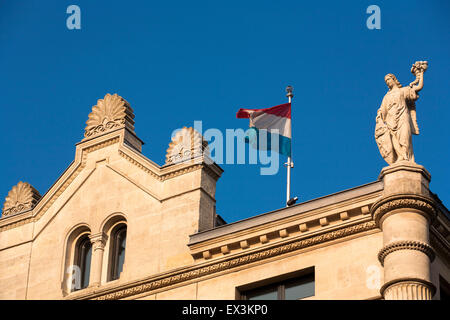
x=289 y=163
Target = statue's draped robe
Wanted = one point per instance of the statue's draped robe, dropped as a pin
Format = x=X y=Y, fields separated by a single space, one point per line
x=395 y=123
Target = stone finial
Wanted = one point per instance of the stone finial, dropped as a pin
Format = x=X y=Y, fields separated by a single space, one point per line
x=186 y=144
x=110 y=113
x=21 y=197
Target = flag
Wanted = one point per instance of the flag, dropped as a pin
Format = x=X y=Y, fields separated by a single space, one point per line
x=273 y=123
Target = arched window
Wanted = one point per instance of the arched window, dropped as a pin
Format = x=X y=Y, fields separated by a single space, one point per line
x=118 y=242
x=83 y=254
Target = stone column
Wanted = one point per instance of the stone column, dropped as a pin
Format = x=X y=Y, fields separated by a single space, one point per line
x=404 y=214
x=98 y=241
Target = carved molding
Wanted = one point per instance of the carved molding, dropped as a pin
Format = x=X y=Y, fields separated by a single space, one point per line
x=185 y=145
x=248 y=258
x=110 y=113
x=408 y=289
x=173 y=174
x=101 y=145
x=385 y=205
x=406 y=245
x=21 y=197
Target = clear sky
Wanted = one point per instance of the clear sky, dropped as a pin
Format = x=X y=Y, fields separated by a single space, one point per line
x=181 y=61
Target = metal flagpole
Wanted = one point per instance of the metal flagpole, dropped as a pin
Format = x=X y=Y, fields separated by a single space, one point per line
x=289 y=163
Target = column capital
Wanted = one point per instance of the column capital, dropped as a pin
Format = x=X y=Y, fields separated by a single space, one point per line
x=98 y=240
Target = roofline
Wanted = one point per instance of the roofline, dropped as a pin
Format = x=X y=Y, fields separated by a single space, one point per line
x=282 y=213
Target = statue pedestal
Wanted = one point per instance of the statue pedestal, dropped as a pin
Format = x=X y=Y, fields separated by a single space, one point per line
x=404 y=214
x=405 y=177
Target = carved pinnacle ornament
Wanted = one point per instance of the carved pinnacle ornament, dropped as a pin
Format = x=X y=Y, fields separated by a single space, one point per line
x=110 y=113
x=21 y=197
x=396 y=118
x=186 y=144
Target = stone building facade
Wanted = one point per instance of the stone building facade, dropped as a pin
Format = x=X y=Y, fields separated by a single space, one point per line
x=116 y=225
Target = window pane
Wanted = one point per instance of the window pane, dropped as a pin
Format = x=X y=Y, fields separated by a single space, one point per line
x=118 y=252
x=121 y=252
x=300 y=288
x=86 y=252
x=267 y=293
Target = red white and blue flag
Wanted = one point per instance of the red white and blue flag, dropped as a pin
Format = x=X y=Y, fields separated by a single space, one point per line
x=274 y=123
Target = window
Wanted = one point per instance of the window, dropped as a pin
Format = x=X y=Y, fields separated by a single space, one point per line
x=119 y=239
x=291 y=288
x=444 y=289
x=83 y=255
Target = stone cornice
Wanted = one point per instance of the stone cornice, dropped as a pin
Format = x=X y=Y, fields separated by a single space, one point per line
x=406 y=245
x=226 y=264
x=169 y=172
x=289 y=228
x=336 y=207
x=407 y=201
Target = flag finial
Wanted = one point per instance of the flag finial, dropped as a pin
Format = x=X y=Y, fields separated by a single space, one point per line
x=289 y=90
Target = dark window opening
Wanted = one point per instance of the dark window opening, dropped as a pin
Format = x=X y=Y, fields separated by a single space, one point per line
x=83 y=256
x=291 y=288
x=444 y=288
x=119 y=239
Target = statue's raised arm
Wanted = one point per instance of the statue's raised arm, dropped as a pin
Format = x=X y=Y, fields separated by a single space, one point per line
x=418 y=69
x=396 y=117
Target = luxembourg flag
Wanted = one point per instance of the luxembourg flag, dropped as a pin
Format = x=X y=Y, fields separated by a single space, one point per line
x=267 y=125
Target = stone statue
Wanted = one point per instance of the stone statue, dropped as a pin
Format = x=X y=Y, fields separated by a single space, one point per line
x=396 y=118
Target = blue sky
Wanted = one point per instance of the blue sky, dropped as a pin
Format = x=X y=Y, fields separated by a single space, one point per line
x=179 y=61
